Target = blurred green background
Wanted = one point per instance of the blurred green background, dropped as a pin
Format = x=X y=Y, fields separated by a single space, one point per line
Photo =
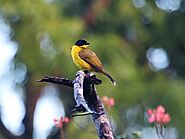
x=140 y=42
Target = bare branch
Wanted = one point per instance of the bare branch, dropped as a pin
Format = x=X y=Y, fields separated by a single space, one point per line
x=78 y=91
x=86 y=98
x=57 y=80
x=95 y=104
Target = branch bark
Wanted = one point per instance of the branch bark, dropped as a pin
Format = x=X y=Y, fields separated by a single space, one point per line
x=86 y=96
x=78 y=92
x=57 y=80
x=100 y=118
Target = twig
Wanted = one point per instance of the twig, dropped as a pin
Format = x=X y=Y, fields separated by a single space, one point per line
x=159 y=131
x=57 y=80
x=81 y=114
x=162 y=133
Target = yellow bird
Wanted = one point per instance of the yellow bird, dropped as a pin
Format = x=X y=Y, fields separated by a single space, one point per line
x=87 y=59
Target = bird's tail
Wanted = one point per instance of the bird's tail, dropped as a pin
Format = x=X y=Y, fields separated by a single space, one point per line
x=109 y=76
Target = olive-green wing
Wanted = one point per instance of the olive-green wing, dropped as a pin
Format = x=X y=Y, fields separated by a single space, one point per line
x=91 y=58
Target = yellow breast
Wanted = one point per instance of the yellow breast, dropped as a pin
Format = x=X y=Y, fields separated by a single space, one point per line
x=77 y=60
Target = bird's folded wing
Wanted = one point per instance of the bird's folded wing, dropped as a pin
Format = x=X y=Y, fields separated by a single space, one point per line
x=91 y=58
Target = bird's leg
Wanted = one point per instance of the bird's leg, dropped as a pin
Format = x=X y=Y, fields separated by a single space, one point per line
x=81 y=114
x=88 y=73
x=92 y=78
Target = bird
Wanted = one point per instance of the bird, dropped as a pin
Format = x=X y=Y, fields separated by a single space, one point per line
x=86 y=59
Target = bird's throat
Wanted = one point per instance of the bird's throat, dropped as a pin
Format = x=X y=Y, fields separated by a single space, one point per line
x=77 y=60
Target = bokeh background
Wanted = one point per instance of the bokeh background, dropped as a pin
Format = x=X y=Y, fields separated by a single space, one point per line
x=140 y=42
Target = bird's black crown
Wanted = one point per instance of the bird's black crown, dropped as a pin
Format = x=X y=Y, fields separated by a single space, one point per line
x=82 y=42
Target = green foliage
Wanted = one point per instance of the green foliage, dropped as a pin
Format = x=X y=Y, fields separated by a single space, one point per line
x=61 y=23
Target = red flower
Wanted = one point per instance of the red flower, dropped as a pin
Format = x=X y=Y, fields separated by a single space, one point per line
x=166 y=118
x=66 y=120
x=160 y=109
x=158 y=115
x=151 y=119
x=59 y=122
x=108 y=101
x=55 y=120
x=105 y=100
x=111 y=102
x=149 y=112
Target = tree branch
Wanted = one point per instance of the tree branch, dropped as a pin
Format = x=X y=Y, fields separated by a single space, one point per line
x=86 y=98
x=100 y=119
x=78 y=91
x=57 y=80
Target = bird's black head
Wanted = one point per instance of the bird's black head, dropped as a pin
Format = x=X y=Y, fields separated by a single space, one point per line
x=82 y=42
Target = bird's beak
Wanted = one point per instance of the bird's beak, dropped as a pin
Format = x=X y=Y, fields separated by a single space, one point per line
x=87 y=43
